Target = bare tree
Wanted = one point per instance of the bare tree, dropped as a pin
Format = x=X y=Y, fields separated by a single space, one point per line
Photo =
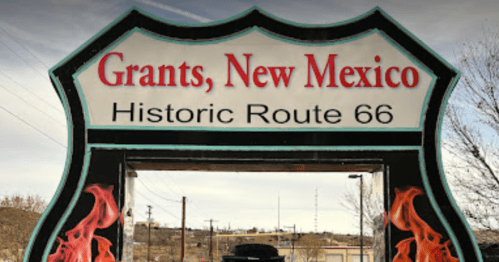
x=472 y=129
x=310 y=247
x=373 y=214
x=372 y=207
x=26 y=203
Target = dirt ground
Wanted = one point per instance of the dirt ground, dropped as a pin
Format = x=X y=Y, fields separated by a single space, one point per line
x=165 y=243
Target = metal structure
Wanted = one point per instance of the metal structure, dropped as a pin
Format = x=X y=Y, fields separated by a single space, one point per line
x=375 y=94
x=361 y=214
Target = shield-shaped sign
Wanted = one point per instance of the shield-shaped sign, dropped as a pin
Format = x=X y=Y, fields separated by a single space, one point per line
x=253 y=93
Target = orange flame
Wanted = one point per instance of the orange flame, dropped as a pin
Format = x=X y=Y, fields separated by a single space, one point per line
x=105 y=254
x=79 y=245
x=404 y=217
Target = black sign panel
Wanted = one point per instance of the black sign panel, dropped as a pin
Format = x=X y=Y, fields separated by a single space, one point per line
x=422 y=221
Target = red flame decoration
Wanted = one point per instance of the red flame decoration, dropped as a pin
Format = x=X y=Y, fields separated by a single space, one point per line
x=404 y=217
x=79 y=245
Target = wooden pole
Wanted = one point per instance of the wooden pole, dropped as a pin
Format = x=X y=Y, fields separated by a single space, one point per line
x=149 y=235
x=216 y=249
x=211 y=238
x=361 y=216
x=211 y=242
x=182 y=249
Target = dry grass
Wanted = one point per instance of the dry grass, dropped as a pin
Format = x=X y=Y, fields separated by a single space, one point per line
x=165 y=243
x=16 y=227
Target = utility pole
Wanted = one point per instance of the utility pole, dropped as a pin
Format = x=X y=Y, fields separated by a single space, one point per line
x=361 y=215
x=149 y=236
x=278 y=219
x=316 y=210
x=182 y=249
x=293 y=241
x=211 y=237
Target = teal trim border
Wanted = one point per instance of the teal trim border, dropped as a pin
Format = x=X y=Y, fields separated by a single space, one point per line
x=442 y=170
x=439 y=132
x=256 y=8
x=427 y=48
x=256 y=148
x=270 y=35
x=263 y=129
x=71 y=206
x=69 y=151
x=92 y=39
x=436 y=208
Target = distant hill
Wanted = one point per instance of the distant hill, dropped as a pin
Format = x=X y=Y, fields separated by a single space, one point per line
x=16 y=227
x=12 y=216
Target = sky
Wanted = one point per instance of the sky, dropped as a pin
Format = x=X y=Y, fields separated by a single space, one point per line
x=243 y=200
x=36 y=35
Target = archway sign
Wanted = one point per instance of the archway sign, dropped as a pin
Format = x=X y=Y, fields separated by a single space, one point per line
x=253 y=92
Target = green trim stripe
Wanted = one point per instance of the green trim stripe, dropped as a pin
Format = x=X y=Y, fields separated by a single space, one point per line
x=257 y=148
x=263 y=129
x=256 y=8
x=437 y=209
x=442 y=170
x=439 y=132
x=71 y=206
x=92 y=39
x=69 y=151
x=427 y=48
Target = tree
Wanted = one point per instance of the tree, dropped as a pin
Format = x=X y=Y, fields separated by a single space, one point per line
x=310 y=247
x=372 y=205
x=373 y=214
x=29 y=203
x=18 y=218
x=471 y=132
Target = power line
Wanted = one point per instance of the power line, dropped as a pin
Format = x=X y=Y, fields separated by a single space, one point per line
x=146 y=177
x=166 y=184
x=31 y=105
x=159 y=206
x=24 y=47
x=174 y=183
x=193 y=208
x=183 y=193
x=157 y=194
x=11 y=79
x=41 y=132
x=196 y=208
x=43 y=76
